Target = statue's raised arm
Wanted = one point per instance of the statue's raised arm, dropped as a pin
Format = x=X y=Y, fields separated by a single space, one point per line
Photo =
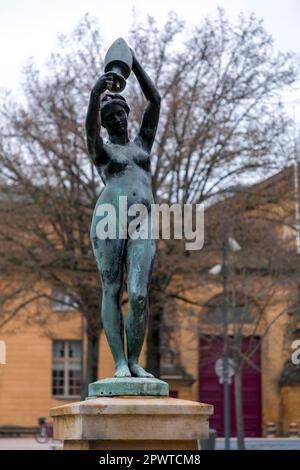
x=93 y=119
x=150 y=119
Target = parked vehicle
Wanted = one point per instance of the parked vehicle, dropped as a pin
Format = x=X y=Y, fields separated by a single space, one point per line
x=45 y=432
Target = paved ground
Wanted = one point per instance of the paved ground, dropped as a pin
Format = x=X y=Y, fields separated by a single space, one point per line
x=29 y=443
x=263 y=444
x=26 y=443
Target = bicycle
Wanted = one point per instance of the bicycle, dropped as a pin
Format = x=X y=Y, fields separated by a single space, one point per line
x=45 y=432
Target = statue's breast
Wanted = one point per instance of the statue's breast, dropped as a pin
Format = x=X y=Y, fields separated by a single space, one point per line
x=142 y=159
x=122 y=156
x=116 y=165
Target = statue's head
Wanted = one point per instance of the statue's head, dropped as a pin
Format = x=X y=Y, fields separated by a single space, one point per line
x=114 y=112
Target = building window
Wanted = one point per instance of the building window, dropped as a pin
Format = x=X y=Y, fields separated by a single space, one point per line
x=66 y=368
x=62 y=302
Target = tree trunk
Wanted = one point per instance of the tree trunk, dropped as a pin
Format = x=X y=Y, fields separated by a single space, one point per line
x=92 y=356
x=239 y=417
x=153 y=341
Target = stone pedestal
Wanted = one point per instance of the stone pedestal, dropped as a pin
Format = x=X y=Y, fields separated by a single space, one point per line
x=120 y=423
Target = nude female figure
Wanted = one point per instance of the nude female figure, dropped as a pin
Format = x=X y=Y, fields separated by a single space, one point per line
x=124 y=167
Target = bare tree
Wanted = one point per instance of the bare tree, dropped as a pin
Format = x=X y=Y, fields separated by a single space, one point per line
x=218 y=124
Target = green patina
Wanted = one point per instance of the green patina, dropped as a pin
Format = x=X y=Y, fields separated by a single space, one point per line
x=124 y=166
x=126 y=386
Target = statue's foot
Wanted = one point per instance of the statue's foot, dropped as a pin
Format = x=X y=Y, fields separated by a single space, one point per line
x=122 y=371
x=138 y=371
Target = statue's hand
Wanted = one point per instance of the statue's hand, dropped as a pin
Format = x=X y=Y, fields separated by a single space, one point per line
x=104 y=82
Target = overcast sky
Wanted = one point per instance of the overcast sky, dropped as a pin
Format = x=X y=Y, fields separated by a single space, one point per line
x=29 y=27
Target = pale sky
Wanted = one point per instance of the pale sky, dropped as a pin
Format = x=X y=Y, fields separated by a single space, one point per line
x=28 y=28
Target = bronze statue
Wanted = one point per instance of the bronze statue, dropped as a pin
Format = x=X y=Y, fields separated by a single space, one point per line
x=124 y=167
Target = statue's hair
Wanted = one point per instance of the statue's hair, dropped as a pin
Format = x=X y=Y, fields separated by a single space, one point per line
x=114 y=98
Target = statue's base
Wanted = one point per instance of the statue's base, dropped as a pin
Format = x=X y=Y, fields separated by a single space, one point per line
x=146 y=423
x=129 y=386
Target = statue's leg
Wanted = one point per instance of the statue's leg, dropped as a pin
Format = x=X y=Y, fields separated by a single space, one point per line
x=139 y=260
x=109 y=256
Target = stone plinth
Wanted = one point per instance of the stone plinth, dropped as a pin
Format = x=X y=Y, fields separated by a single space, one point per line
x=131 y=423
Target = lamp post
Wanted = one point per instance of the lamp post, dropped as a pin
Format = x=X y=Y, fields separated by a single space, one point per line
x=225 y=351
x=233 y=245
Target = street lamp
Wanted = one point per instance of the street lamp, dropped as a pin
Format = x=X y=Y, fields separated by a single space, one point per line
x=233 y=245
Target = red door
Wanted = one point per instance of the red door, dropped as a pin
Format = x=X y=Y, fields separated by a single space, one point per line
x=211 y=391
